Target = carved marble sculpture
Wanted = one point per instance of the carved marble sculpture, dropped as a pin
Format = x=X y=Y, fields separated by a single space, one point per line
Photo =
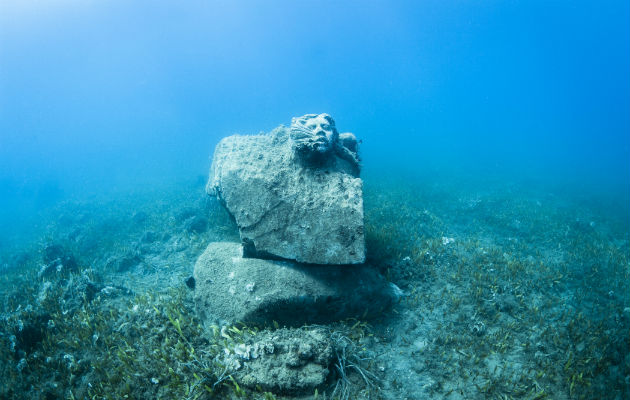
x=315 y=137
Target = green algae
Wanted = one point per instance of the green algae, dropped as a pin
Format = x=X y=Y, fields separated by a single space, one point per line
x=529 y=300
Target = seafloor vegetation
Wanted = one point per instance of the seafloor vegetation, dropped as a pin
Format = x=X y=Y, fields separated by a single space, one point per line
x=510 y=291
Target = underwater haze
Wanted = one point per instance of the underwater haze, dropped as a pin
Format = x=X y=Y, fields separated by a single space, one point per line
x=103 y=94
x=495 y=159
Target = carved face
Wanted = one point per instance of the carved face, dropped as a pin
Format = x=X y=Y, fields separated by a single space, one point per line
x=314 y=133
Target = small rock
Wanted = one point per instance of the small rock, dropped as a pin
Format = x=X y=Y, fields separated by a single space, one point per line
x=53 y=252
x=286 y=361
x=123 y=263
x=57 y=260
x=507 y=303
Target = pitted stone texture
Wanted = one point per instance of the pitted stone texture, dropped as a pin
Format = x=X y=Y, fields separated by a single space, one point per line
x=231 y=289
x=286 y=361
x=287 y=206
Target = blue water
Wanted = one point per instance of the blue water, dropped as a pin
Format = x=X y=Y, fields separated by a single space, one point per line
x=117 y=93
x=495 y=146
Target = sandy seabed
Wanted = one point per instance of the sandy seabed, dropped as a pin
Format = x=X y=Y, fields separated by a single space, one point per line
x=508 y=291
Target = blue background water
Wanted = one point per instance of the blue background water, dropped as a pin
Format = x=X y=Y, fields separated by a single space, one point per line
x=112 y=94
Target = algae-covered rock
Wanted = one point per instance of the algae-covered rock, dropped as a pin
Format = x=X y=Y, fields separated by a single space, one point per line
x=294 y=193
x=230 y=289
x=287 y=361
x=57 y=260
x=124 y=262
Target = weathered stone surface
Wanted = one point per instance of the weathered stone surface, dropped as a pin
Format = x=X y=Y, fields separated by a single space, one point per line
x=230 y=289
x=294 y=193
x=286 y=361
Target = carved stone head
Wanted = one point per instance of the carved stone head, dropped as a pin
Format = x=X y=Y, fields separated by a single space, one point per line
x=314 y=135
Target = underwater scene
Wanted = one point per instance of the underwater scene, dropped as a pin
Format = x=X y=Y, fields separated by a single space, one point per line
x=314 y=200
